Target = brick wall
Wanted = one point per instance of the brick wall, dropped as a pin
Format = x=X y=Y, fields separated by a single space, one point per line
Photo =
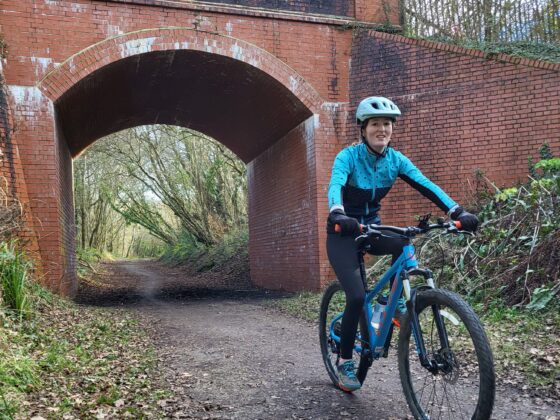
x=283 y=219
x=462 y=112
x=378 y=11
x=68 y=278
x=7 y=163
x=36 y=142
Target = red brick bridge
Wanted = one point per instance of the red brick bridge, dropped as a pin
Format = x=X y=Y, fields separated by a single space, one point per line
x=276 y=82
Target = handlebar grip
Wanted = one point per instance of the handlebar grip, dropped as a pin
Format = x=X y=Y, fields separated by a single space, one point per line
x=337 y=228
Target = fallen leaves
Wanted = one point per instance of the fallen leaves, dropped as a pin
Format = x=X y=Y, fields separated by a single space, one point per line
x=85 y=362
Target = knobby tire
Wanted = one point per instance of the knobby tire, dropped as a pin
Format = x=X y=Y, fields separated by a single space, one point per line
x=325 y=316
x=471 y=327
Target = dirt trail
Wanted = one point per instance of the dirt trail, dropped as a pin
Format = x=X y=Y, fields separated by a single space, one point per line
x=226 y=355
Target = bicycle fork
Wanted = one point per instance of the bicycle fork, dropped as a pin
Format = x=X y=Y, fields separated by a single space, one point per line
x=410 y=294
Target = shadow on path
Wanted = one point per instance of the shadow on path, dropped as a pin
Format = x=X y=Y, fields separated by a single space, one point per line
x=137 y=282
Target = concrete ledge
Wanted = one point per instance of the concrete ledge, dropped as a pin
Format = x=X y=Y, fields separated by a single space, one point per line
x=344 y=22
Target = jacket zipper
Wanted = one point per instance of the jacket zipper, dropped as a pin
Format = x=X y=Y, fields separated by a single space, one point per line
x=374 y=182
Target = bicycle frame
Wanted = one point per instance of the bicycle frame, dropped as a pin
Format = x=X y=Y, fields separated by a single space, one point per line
x=406 y=264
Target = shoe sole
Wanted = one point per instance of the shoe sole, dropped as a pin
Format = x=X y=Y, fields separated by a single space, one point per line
x=346 y=389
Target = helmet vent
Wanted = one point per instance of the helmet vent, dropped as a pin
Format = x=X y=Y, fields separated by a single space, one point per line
x=375 y=105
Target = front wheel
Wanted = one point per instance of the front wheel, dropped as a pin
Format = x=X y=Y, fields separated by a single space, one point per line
x=460 y=381
x=332 y=307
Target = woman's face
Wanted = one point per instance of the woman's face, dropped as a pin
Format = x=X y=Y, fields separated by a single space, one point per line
x=378 y=132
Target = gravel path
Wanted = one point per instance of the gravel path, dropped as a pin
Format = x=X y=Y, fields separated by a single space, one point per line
x=227 y=355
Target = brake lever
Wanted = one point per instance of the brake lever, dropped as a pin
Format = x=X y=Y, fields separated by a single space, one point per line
x=367 y=234
x=455 y=231
x=360 y=238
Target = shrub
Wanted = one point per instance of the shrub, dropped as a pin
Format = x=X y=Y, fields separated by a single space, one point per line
x=202 y=258
x=515 y=255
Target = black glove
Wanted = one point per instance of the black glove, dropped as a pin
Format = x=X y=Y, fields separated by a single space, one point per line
x=348 y=225
x=469 y=222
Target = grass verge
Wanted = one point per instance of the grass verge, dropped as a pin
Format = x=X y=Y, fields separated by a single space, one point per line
x=71 y=361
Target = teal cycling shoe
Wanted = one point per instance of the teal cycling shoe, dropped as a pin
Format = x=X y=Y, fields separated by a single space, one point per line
x=347 y=380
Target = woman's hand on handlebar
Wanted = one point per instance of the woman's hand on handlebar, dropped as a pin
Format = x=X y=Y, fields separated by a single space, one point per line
x=468 y=221
x=339 y=222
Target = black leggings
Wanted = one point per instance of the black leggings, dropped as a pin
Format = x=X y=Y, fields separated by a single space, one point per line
x=343 y=256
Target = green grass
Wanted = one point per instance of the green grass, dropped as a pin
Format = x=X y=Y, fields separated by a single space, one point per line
x=525 y=343
x=303 y=305
x=14 y=273
x=109 y=397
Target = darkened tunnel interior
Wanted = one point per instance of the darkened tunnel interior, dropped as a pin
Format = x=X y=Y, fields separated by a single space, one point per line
x=237 y=104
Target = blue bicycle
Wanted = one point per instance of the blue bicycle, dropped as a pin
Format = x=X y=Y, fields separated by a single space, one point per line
x=447 y=370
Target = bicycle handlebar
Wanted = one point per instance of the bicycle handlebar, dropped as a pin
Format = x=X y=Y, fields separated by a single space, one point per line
x=409 y=231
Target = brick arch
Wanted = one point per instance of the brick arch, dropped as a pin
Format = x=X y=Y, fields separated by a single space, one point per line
x=167 y=76
x=103 y=53
x=284 y=170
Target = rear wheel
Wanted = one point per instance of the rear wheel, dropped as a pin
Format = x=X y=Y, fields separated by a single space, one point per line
x=332 y=307
x=461 y=382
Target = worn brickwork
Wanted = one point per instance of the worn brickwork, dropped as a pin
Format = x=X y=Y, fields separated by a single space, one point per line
x=35 y=139
x=67 y=232
x=80 y=69
x=8 y=165
x=14 y=187
x=463 y=112
x=39 y=40
x=379 y=11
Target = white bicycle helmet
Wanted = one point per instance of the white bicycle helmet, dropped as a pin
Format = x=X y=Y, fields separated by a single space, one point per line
x=376 y=106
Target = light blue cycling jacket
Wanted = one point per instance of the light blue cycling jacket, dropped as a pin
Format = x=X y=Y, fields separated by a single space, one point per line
x=360 y=179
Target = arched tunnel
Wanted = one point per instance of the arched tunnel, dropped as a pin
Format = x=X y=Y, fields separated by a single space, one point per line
x=257 y=116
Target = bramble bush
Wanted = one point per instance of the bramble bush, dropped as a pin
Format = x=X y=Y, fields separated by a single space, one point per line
x=516 y=252
x=515 y=255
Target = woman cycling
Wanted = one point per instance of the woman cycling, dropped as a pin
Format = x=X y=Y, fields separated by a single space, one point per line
x=361 y=176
